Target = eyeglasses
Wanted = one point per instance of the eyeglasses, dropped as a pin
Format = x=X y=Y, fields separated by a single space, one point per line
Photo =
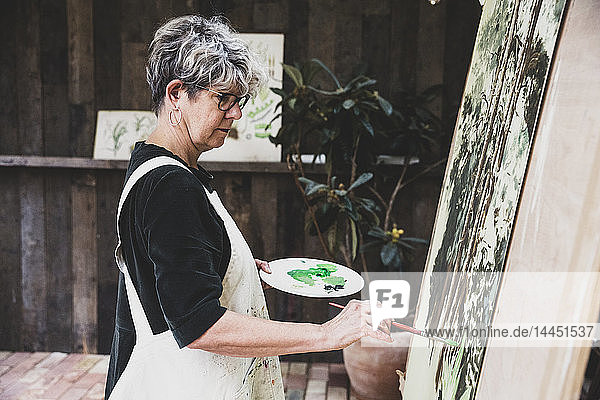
x=228 y=100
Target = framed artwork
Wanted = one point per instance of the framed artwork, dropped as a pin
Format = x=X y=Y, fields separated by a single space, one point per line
x=249 y=138
x=117 y=131
x=486 y=167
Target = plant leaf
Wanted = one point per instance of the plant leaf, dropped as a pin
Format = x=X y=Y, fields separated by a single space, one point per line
x=278 y=91
x=368 y=82
x=354 y=238
x=332 y=238
x=353 y=81
x=416 y=240
x=292 y=102
x=363 y=178
x=390 y=255
x=370 y=246
x=347 y=203
x=348 y=104
x=315 y=188
x=386 y=106
x=408 y=246
x=321 y=91
x=310 y=184
x=294 y=73
x=319 y=62
x=333 y=181
x=378 y=233
x=365 y=121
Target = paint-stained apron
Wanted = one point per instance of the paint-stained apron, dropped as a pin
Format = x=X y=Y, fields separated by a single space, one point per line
x=159 y=369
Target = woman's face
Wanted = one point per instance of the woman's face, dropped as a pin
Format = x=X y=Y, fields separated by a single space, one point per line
x=208 y=126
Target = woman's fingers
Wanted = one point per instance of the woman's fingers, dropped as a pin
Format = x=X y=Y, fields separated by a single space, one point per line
x=383 y=330
x=354 y=322
x=263 y=265
x=384 y=325
x=378 y=334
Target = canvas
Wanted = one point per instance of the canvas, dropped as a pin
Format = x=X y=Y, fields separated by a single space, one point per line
x=481 y=190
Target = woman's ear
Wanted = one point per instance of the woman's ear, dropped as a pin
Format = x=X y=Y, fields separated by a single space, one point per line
x=173 y=93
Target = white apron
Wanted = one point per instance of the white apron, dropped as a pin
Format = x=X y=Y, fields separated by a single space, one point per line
x=158 y=369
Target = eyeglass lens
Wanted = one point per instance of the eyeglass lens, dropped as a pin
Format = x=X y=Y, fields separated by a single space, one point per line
x=229 y=100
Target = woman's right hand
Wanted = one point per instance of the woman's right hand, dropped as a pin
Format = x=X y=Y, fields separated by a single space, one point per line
x=353 y=323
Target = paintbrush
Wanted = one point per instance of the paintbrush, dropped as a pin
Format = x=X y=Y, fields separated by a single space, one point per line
x=415 y=331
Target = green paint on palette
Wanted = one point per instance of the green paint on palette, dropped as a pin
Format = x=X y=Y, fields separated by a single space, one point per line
x=323 y=271
x=335 y=280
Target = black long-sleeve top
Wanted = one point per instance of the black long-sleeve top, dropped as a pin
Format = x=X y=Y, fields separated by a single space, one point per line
x=176 y=250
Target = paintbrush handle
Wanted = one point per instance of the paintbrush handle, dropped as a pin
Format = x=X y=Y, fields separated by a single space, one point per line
x=409 y=329
x=336 y=305
x=401 y=326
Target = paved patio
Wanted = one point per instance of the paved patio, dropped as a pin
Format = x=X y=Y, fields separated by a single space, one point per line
x=65 y=376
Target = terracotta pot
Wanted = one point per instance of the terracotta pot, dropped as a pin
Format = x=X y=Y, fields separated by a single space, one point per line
x=372 y=370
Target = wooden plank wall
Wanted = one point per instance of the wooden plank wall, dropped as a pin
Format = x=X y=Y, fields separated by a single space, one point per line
x=64 y=60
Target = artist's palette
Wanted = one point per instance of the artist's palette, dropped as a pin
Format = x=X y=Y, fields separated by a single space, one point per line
x=312 y=278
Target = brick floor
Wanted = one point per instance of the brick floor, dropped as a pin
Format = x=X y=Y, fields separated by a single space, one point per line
x=30 y=376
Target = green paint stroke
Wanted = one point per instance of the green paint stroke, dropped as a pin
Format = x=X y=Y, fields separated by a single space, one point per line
x=450 y=375
x=322 y=271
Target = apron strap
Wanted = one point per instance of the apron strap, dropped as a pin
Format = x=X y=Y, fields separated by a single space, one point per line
x=140 y=321
x=139 y=172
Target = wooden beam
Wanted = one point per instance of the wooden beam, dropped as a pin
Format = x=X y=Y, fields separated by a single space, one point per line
x=28 y=79
x=81 y=76
x=84 y=258
x=404 y=24
x=54 y=70
x=430 y=50
x=321 y=35
x=33 y=261
x=88 y=163
x=135 y=94
x=59 y=284
x=348 y=39
x=10 y=262
x=108 y=190
x=107 y=54
x=9 y=139
x=31 y=186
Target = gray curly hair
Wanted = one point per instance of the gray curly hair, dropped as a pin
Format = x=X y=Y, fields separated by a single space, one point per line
x=201 y=52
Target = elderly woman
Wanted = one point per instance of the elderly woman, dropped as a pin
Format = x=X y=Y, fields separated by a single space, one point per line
x=191 y=317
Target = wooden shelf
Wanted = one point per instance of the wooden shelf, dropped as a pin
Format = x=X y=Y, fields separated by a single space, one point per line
x=88 y=163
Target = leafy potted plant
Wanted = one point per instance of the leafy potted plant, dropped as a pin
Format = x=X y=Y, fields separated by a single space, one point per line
x=350 y=125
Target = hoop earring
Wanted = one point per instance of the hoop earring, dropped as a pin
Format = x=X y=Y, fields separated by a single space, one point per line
x=173 y=117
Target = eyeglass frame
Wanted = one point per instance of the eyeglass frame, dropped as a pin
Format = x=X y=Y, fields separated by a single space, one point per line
x=221 y=95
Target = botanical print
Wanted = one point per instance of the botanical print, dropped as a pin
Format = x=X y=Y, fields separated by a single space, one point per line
x=482 y=186
x=117 y=132
x=248 y=139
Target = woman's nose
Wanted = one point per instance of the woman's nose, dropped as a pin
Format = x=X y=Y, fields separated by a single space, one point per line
x=234 y=112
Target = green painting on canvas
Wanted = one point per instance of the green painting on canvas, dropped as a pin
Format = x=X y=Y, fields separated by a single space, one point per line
x=486 y=168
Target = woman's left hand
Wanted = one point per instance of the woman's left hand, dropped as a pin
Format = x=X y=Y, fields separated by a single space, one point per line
x=263 y=265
